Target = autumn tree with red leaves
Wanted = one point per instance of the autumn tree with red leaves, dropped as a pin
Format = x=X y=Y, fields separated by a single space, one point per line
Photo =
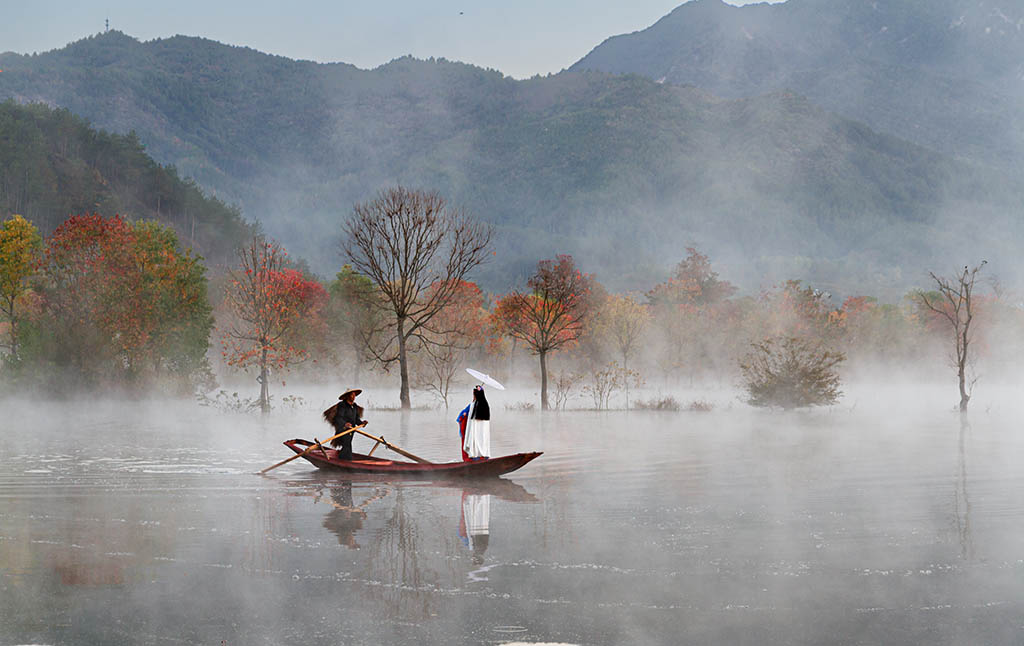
x=275 y=311
x=120 y=303
x=551 y=315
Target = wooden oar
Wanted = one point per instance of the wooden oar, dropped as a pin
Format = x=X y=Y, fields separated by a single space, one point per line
x=393 y=447
x=354 y=429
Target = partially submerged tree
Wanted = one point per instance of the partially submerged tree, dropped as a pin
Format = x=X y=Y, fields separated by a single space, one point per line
x=550 y=315
x=564 y=382
x=272 y=306
x=791 y=372
x=417 y=249
x=694 y=319
x=605 y=381
x=622 y=322
x=953 y=304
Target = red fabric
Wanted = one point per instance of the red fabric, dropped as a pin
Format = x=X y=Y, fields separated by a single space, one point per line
x=463 y=420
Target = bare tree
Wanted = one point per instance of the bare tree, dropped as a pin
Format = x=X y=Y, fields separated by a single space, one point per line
x=953 y=304
x=564 y=382
x=462 y=324
x=624 y=321
x=417 y=249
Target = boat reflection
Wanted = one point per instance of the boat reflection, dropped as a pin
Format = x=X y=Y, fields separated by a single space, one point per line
x=413 y=537
x=348 y=515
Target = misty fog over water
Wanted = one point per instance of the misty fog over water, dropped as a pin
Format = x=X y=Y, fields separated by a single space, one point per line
x=881 y=520
x=728 y=212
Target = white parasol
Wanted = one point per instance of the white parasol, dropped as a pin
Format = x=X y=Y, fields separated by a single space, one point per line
x=487 y=379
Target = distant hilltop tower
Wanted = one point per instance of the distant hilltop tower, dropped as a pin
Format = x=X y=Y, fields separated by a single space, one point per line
x=107 y=24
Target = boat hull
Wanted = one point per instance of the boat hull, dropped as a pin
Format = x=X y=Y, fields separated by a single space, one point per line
x=327 y=459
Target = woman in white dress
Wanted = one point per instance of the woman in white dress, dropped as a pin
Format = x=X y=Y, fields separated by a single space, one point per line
x=477 y=442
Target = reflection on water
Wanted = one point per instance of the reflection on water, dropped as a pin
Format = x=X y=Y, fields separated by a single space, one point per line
x=345 y=519
x=961 y=502
x=385 y=518
x=475 y=528
x=720 y=528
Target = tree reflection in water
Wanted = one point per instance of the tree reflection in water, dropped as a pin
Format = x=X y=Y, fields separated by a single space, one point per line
x=961 y=503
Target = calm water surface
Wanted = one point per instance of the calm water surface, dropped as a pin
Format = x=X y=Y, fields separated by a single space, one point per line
x=124 y=524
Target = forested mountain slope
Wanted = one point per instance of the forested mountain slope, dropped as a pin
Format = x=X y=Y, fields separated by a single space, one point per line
x=621 y=171
x=947 y=74
x=53 y=165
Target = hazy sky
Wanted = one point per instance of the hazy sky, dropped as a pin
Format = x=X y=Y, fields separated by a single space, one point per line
x=520 y=37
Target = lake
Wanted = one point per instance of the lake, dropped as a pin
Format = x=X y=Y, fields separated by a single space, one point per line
x=124 y=523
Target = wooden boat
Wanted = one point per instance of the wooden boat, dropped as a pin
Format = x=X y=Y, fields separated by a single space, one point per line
x=327 y=459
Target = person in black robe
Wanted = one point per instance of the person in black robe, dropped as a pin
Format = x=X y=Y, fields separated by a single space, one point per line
x=343 y=416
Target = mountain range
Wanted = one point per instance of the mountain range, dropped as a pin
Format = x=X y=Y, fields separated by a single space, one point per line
x=946 y=74
x=622 y=161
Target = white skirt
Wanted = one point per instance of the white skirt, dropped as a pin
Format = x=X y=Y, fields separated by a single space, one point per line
x=476 y=513
x=477 y=443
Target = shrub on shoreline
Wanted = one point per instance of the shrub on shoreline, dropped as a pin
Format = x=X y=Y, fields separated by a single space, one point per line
x=664 y=403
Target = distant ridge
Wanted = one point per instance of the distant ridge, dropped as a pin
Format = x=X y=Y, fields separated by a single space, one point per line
x=619 y=170
x=946 y=74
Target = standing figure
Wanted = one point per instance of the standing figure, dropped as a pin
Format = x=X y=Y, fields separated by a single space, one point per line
x=343 y=416
x=475 y=427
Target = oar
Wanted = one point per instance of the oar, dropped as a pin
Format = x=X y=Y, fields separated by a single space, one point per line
x=354 y=429
x=393 y=447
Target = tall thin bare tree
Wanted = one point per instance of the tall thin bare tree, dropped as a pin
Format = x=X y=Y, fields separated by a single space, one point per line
x=417 y=249
x=953 y=304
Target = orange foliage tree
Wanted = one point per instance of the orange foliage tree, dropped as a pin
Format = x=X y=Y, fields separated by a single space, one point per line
x=802 y=311
x=120 y=300
x=275 y=311
x=551 y=315
x=696 y=321
x=693 y=283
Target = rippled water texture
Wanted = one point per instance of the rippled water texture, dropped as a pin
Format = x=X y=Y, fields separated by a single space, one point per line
x=130 y=524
